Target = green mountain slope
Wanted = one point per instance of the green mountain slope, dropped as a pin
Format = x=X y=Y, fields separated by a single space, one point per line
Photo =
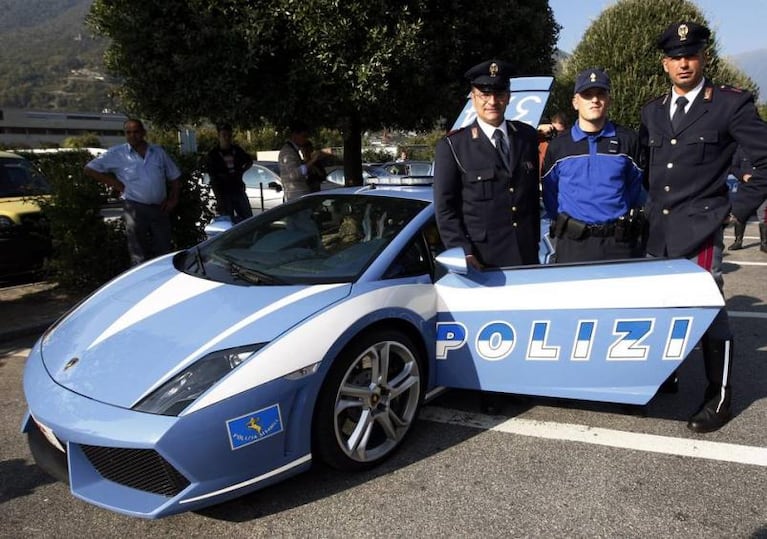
x=50 y=60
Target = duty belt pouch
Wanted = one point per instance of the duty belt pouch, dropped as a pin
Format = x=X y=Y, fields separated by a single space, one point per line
x=621 y=230
x=560 y=225
x=575 y=229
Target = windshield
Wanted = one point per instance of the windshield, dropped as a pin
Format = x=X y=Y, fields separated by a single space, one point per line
x=19 y=179
x=317 y=239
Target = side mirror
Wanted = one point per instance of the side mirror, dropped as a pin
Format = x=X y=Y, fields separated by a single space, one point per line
x=276 y=186
x=453 y=260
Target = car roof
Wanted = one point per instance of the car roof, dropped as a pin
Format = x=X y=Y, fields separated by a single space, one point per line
x=413 y=192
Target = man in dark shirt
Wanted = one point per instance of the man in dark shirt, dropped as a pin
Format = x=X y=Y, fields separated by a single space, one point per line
x=225 y=166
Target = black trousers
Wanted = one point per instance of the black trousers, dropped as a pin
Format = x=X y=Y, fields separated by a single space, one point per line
x=592 y=248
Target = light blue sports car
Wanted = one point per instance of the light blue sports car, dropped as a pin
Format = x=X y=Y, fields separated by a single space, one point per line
x=315 y=331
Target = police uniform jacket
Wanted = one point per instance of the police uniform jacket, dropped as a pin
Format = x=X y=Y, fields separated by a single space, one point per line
x=593 y=177
x=687 y=170
x=491 y=211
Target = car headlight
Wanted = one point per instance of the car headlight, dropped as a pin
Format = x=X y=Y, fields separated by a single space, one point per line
x=6 y=222
x=180 y=391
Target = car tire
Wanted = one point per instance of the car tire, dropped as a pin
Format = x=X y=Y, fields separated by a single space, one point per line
x=363 y=415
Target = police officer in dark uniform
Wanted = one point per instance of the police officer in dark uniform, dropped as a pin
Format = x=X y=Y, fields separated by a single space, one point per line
x=690 y=134
x=486 y=178
x=592 y=181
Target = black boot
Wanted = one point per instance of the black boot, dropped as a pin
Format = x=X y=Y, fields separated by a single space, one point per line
x=715 y=411
x=763 y=237
x=740 y=229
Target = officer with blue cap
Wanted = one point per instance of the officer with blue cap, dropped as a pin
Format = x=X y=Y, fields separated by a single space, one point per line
x=592 y=180
x=690 y=133
x=592 y=78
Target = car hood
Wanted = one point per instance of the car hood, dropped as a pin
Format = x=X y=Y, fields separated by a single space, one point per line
x=154 y=321
x=16 y=206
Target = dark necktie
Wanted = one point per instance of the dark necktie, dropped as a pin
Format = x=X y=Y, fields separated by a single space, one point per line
x=676 y=119
x=500 y=145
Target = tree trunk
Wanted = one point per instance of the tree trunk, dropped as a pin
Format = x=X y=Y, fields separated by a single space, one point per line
x=353 y=151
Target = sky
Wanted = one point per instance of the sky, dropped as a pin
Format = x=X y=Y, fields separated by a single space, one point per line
x=739 y=24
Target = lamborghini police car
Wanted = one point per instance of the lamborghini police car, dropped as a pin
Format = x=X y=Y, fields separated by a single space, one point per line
x=314 y=331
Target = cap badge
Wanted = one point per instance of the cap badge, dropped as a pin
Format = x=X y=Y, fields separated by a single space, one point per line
x=593 y=77
x=493 y=69
x=682 y=31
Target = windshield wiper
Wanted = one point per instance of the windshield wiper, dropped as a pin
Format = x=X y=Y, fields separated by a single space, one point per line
x=198 y=258
x=198 y=261
x=251 y=275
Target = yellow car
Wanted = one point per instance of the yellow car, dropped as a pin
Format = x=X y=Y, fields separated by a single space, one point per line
x=24 y=231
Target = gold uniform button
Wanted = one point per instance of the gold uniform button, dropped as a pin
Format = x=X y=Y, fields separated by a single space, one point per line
x=514 y=224
x=513 y=208
x=511 y=189
x=667 y=188
x=673 y=141
x=670 y=165
x=666 y=212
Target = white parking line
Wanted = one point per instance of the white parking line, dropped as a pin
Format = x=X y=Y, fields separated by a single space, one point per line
x=743 y=263
x=746 y=314
x=742 y=454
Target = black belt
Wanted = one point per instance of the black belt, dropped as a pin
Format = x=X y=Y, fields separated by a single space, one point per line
x=600 y=231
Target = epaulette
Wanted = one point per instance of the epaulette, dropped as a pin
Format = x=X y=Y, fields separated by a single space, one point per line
x=733 y=89
x=662 y=97
x=454 y=131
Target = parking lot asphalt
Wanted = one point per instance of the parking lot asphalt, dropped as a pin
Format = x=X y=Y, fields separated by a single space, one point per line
x=29 y=308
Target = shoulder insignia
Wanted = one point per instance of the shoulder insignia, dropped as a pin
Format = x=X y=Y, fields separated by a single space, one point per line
x=454 y=131
x=708 y=93
x=733 y=89
x=662 y=98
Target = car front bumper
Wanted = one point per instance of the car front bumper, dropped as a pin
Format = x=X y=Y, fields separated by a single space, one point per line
x=150 y=465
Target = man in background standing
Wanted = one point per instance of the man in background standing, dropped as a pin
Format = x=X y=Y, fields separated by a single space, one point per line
x=295 y=167
x=139 y=172
x=226 y=164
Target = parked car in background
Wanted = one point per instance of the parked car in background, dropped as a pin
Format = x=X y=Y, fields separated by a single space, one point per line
x=337 y=176
x=404 y=168
x=263 y=186
x=24 y=232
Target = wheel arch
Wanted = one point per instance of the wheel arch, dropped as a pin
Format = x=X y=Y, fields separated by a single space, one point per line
x=406 y=325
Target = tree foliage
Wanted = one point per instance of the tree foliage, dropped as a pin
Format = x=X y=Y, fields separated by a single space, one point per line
x=622 y=40
x=339 y=64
